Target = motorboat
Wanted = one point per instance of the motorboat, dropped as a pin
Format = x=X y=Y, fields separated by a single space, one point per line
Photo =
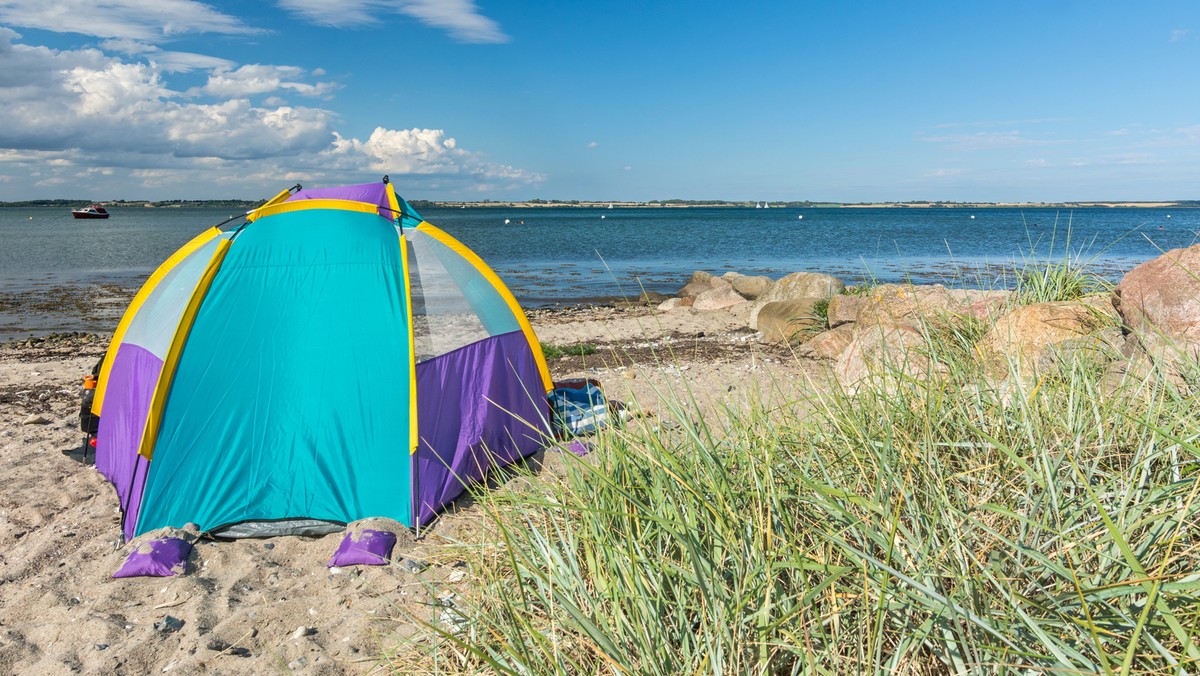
x=90 y=211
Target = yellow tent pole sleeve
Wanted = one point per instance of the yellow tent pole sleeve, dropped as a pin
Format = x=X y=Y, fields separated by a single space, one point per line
x=138 y=300
x=167 y=376
x=301 y=205
x=412 y=349
x=393 y=203
x=491 y=276
x=283 y=195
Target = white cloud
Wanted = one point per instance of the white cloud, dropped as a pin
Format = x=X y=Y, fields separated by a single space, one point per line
x=116 y=124
x=1180 y=34
x=420 y=151
x=593 y=144
x=127 y=19
x=986 y=141
x=460 y=18
x=254 y=79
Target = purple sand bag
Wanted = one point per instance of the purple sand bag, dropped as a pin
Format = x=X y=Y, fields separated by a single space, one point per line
x=364 y=548
x=160 y=557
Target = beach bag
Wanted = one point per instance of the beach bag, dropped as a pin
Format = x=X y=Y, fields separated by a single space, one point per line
x=579 y=407
x=89 y=423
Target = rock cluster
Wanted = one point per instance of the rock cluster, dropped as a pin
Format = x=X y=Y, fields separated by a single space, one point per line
x=1151 y=320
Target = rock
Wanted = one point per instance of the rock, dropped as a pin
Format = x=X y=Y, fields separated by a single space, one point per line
x=298 y=663
x=35 y=419
x=1099 y=348
x=794 y=286
x=1022 y=336
x=673 y=303
x=652 y=298
x=456 y=576
x=751 y=287
x=827 y=345
x=882 y=351
x=787 y=321
x=844 y=309
x=908 y=304
x=718 y=298
x=1162 y=295
x=980 y=304
x=699 y=282
x=168 y=625
x=303 y=631
x=414 y=566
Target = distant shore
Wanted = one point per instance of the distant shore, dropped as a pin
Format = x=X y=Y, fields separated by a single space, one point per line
x=652 y=204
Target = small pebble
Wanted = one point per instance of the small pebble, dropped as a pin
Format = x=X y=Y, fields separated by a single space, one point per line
x=414 y=566
x=168 y=625
x=35 y=419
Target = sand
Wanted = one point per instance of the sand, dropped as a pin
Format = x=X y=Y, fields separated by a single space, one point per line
x=261 y=606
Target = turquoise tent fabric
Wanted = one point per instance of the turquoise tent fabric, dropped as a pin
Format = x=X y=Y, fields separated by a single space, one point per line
x=270 y=346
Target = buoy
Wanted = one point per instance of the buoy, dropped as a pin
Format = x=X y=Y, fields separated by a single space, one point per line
x=506 y=221
x=972 y=217
x=800 y=217
x=602 y=217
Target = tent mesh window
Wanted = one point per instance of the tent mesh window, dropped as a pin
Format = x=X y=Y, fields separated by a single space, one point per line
x=453 y=304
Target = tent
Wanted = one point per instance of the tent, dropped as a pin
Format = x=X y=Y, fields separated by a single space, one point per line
x=332 y=357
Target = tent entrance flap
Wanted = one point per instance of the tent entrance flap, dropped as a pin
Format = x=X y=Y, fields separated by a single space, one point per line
x=289 y=396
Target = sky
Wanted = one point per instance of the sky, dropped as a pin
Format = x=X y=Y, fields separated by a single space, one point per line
x=622 y=100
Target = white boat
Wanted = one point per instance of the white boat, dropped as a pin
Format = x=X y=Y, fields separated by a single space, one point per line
x=90 y=211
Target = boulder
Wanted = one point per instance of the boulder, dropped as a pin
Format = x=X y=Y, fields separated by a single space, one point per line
x=672 y=303
x=795 y=286
x=844 y=309
x=719 y=297
x=882 y=351
x=982 y=305
x=752 y=287
x=698 y=283
x=827 y=345
x=1023 y=336
x=1162 y=296
x=907 y=304
x=788 y=321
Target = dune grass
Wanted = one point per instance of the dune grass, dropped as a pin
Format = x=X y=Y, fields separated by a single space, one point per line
x=924 y=525
x=947 y=523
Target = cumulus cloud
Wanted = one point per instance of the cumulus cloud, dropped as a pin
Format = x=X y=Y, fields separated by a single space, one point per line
x=254 y=79
x=593 y=144
x=420 y=151
x=460 y=18
x=128 y=19
x=111 y=117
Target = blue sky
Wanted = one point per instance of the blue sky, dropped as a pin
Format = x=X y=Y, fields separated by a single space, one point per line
x=1016 y=101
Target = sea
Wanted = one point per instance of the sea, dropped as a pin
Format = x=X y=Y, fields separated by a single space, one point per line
x=552 y=256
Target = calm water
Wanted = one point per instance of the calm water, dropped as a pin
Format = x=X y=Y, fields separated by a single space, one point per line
x=556 y=255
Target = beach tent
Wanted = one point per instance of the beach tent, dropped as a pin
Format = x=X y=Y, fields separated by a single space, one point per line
x=330 y=358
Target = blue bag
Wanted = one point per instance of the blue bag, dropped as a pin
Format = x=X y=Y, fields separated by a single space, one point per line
x=578 y=410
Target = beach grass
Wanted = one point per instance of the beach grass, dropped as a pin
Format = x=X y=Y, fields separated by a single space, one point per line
x=919 y=525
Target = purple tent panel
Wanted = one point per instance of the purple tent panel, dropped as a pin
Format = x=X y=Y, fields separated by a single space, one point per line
x=130 y=387
x=478 y=407
x=370 y=193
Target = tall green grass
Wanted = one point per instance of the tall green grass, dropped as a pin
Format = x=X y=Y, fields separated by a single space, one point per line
x=937 y=524
x=929 y=527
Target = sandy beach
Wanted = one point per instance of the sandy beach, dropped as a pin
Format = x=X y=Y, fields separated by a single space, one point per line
x=256 y=606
